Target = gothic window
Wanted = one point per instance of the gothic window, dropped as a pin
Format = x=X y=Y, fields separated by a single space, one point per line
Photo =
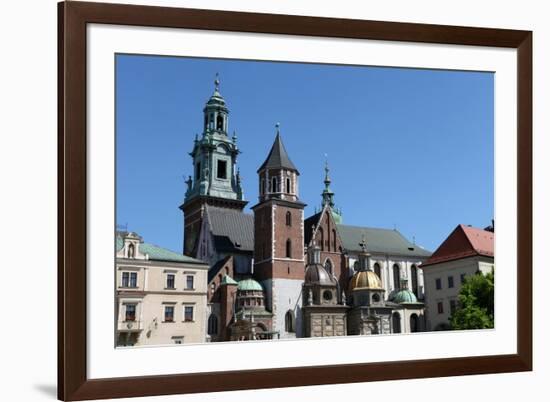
x=414 y=279
x=288 y=185
x=396 y=323
x=289 y=321
x=288 y=218
x=333 y=240
x=322 y=238
x=328 y=266
x=131 y=251
x=377 y=270
x=219 y=123
x=414 y=323
x=288 y=248
x=222 y=169
x=396 y=276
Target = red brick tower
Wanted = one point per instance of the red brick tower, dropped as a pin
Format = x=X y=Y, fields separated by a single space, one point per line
x=279 y=237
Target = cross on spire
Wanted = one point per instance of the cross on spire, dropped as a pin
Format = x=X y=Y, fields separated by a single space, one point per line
x=217 y=82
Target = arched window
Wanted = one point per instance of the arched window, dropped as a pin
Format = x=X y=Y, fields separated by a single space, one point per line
x=396 y=323
x=333 y=240
x=288 y=185
x=288 y=218
x=414 y=279
x=322 y=239
x=288 y=248
x=219 y=123
x=212 y=325
x=273 y=184
x=377 y=270
x=396 y=276
x=131 y=251
x=289 y=321
x=414 y=323
x=328 y=266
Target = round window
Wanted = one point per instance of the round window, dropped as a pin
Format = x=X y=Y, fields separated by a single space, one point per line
x=327 y=295
x=376 y=297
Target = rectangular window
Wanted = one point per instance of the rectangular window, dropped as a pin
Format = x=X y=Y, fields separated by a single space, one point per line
x=189 y=282
x=451 y=281
x=170 y=281
x=452 y=305
x=130 y=312
x=133 y=279
x=169 y=313
x=222 y=169
x=125 y=279
x=438 y=283
x=188 y=313
x=440 y=307
x=462 y=278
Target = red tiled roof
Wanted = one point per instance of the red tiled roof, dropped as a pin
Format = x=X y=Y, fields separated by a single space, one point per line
x=464 y=241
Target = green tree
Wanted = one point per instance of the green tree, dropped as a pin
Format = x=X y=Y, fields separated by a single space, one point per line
x=476 y=304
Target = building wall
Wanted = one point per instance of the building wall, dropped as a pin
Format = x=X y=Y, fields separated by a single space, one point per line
x=151 y=296
x=325 y=321
x=283 y=295
x=444 y=270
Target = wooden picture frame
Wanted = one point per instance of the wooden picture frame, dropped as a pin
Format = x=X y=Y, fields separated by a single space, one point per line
x=73 y=17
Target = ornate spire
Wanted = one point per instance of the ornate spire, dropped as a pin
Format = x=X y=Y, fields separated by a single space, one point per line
x=364 y=255
x=328 y=195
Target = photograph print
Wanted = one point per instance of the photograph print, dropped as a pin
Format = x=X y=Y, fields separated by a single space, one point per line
x=266 y=201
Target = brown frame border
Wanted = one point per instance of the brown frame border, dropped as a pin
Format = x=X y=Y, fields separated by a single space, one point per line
x=73 y=383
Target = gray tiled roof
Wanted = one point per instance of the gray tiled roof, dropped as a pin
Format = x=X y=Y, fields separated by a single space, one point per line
x=278 y=157
x=386 y=241
x=232 y=230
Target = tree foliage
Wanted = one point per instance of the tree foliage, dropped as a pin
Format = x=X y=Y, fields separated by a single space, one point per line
x=476 y=305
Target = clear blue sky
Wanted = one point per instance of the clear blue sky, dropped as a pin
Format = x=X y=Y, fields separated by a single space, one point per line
x=407 y=148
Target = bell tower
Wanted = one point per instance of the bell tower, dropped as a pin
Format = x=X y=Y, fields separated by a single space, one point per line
x=279 y=236
x=215 y=180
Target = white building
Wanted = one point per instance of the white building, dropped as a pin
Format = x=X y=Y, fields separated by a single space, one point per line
x=160 y=295
x=466 y=251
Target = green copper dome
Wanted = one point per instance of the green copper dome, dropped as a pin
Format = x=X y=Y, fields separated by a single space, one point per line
x=404 y=296
x=250 y=284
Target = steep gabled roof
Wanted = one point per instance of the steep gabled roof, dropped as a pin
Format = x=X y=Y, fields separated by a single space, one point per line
x=464 y=241
x=233 y=230
x=278 y=157
x=386 y=241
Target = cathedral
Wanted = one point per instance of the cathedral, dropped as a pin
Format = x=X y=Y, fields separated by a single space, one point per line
x=274 y=273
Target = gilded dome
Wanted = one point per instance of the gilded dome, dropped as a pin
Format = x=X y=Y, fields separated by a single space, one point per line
x=365 y=280
x=316 y=273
